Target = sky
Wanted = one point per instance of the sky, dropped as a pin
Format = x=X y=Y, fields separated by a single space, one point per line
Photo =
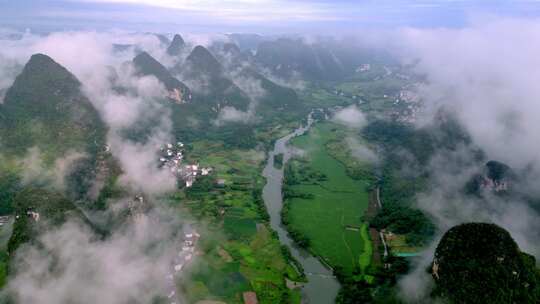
x=253 y=16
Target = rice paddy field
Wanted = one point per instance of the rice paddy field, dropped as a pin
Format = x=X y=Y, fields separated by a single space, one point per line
x=331 y=217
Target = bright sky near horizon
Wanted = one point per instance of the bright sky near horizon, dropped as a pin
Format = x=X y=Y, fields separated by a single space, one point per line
x=265 y=16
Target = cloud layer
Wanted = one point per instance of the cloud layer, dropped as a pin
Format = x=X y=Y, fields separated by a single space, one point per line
x=350 y=116
x=486 y=74
x=72 y=265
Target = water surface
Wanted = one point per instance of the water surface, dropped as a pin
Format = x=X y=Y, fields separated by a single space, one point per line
x=322 y=287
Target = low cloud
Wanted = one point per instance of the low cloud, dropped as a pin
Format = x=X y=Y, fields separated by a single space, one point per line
x=231 y=114
x=35 y=171
x=205 y=40
x=488 y=77
x=446 y=204
x=139 y=164
x=294 y=81
x=9 y=69
x=73 y=265
x=251 y=86
x=495 y=98
x=361 y=151
x=350 y=116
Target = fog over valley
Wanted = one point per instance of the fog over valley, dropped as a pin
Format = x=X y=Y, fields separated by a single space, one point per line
x=302 y=152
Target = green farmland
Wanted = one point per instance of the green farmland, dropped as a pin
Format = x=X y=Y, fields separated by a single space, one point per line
x=324 y=205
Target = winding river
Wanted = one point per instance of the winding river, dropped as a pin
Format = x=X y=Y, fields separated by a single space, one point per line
x=322 y=287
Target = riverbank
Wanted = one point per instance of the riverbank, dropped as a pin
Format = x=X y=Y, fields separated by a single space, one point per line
x=238 y=251
x=324 y=206
x=321 y=287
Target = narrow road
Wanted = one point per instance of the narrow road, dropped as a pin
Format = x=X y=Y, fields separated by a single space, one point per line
x=384 y=244
x=378 y=191
x=377 y=237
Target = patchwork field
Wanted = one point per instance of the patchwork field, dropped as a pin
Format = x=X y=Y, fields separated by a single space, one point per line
x=325 y=205
x=238 y=252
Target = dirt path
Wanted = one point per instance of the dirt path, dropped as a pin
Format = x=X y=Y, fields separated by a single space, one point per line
x=373 y=207
x=374 y=235
x=345 y=239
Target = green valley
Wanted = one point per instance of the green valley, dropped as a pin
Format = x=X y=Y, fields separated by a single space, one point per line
x=239 y=251
x=242 y=169
x=324 y=205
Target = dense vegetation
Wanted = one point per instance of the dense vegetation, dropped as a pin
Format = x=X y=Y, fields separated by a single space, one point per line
x=497 y=171
x=481 y=263
x=323 y=206
x=147 y=65
x=45 y=104
x=278 y=160
x=325 y=192
x=241 y=252
x=9 y=186
x=398 y=191
x=53 y=208
x=203 y=70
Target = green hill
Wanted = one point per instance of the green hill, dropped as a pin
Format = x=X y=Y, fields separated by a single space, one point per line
x=53 y=209
x=45 y=108
x=230 y=55
x=206 y=77
x=285 y=57
x=147 y=65
x=177 y=46
x=275 y=97
x=322 y=60
x=481 y=263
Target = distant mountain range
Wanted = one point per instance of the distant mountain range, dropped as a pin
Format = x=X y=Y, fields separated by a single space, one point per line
x=323 y=60
x=209 y=82
x=46 y=102
x=46 y=108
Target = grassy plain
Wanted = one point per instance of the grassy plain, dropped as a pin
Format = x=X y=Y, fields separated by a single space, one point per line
x=332 y=218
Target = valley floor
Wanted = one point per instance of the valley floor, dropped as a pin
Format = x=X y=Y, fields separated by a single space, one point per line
x=324 y=206
x=239 y=253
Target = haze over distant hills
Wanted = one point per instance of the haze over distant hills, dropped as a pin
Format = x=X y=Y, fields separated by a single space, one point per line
x=150 y=160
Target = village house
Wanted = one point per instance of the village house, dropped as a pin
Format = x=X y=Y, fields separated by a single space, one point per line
x=173 y=158
x=206 y=171
x=363 y=67
x=34 y=215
